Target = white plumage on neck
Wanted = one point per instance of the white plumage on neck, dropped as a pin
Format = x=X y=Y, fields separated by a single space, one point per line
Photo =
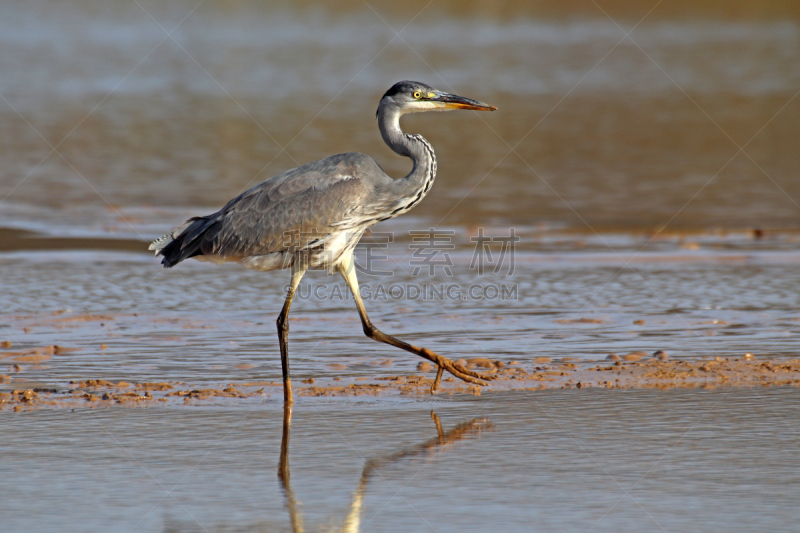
x=412 y=188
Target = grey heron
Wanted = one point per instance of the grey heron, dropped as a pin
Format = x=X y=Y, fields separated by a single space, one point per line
x=312 y=217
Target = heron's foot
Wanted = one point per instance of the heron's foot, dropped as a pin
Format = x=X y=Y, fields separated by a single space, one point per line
x=470 y=376
x=464 y=374
x=436 y=381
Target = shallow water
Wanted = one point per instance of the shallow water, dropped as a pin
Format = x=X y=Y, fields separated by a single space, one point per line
x=651 y=180
x=543 y=461
x=595 y=130
x=128 y=319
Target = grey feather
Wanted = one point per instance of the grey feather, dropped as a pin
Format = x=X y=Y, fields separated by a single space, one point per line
x=286 y=213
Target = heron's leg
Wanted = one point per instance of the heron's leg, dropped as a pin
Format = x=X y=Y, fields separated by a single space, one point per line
x=283 y=330
x=437 y=380
x=283 y=473
x=348 y=271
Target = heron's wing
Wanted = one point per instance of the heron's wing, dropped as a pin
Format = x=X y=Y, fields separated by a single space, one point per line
x=294 y=210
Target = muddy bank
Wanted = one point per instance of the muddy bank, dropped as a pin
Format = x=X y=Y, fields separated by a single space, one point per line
x=634 y=370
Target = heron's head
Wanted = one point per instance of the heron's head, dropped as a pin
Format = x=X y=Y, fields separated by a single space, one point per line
x=414 y=97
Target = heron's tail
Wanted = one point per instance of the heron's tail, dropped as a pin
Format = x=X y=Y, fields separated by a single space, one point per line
x=182 y=243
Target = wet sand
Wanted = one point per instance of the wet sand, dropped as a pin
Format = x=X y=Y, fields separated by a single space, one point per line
x=631 y=371
x=122 y=332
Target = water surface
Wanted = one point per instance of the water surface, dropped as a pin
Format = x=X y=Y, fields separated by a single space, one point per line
x=184 y=106
x=546 y=461
x=646 y=158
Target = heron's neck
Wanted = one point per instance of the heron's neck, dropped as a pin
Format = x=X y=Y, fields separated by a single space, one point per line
x=417 y=183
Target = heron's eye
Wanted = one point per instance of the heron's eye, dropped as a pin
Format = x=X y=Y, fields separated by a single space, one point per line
x=417 y=95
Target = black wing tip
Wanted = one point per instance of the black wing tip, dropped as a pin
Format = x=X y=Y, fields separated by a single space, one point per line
x=172 y=253
x=187 y=244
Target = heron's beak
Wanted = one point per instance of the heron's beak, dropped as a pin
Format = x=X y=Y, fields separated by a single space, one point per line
x=452 y=101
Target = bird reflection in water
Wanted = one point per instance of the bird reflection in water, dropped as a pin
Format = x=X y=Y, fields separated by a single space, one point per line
x=353 y=519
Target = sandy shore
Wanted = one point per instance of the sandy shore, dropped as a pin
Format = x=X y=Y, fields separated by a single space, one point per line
x=635 y=370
